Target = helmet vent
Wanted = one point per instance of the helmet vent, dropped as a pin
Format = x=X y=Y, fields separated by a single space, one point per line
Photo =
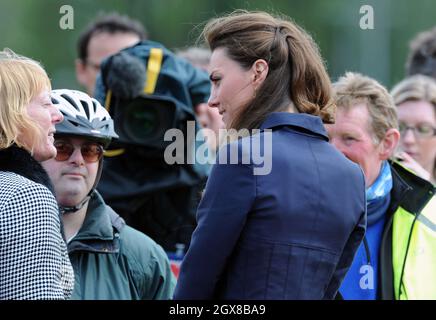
x=74 y=123
x=85 y=107
x=71 y=101
x=94 y=105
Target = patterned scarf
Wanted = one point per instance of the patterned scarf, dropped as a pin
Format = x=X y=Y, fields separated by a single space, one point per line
x=378 y=194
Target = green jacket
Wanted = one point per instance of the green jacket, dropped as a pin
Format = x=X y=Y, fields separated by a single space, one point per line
x=113 y=261
x=408 y=247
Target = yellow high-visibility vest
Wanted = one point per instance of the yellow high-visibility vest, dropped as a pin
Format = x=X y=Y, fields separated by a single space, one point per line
x=414 y=252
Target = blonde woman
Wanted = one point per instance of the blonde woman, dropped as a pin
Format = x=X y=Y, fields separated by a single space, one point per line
x=415 y=98
x=34 y=262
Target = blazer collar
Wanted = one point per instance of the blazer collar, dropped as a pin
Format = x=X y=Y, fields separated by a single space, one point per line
x=298 y=121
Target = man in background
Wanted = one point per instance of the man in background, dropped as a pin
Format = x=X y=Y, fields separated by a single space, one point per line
x=103 y=37
x=396 y=258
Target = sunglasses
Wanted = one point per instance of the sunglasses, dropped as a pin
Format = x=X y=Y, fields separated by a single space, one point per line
x=91 y=152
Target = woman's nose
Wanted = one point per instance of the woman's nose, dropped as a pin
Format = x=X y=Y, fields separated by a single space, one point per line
x=212 y=102
x=56 y=115
x=408 y=136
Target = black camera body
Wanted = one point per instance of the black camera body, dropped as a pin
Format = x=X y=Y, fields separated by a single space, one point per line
x=148 y=90
x=143 y=121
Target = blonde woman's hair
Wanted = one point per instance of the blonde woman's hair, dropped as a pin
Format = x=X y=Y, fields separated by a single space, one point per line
x=21 y=79
x=354 y=88
x=415 y=88
x=296 y=69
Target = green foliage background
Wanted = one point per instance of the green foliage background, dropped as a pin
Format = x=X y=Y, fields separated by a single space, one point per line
x=31 y=28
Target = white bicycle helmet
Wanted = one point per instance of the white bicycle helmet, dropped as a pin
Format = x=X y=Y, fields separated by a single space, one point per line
x=83 y=116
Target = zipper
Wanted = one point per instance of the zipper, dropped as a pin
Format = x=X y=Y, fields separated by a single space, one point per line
x=367 y=252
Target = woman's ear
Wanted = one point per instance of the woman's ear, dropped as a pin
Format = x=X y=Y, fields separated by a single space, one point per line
x=260 y=71
x=389 y=143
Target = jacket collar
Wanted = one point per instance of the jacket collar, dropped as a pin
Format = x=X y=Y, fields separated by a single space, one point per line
x=413 y=192
x=298 y=121
x=100 y=230
x=97 y=225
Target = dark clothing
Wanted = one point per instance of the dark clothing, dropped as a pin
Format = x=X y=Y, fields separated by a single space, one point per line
x=113 y=261
x=289 y=234
x=19 y=161
x=153 y=196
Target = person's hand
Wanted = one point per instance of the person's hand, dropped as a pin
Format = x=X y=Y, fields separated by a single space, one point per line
x=410 y=163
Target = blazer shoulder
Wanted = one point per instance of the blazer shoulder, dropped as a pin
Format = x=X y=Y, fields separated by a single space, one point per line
x=17 y=191
x=14 y=183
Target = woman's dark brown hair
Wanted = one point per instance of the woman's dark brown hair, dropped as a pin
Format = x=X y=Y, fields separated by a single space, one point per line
x=296 y=70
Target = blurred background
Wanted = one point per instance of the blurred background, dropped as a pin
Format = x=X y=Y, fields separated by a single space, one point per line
x=32 y=28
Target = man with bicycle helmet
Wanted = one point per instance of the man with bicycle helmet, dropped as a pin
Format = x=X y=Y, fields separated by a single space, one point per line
x=110 y=259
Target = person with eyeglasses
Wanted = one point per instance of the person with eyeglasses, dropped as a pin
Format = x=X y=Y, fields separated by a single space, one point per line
x=415 y=98
x=396 y=260
x=111 y=260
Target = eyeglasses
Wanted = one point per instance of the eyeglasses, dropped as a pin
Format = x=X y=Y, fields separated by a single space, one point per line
x=91 y=152
x=423 y=130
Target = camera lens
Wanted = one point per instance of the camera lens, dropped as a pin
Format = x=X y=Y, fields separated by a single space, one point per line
x=145 y=121
x=142 y=121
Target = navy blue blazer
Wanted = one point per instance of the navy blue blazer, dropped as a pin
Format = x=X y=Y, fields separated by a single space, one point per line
x=288 y=234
